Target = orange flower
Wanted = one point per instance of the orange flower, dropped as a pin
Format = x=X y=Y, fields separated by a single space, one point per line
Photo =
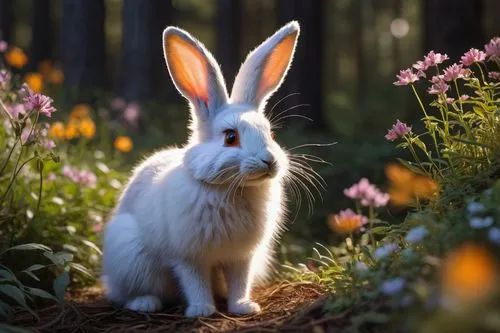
x=87 y=128
x=71 y=131
x=35 y=81
x=124 y=144
x=406 y=185
x=16 y=57
x=346 y=222
x=80 y=111
x=56 y=131
x=45 y=67
x=56 y=77
x=468 y=274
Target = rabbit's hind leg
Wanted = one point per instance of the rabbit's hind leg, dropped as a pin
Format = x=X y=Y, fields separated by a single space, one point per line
x=131 y=276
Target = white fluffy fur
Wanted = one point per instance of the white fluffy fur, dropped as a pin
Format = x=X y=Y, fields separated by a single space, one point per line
x=201 y=219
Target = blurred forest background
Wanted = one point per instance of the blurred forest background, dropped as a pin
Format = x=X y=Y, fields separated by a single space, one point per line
x=348 y=54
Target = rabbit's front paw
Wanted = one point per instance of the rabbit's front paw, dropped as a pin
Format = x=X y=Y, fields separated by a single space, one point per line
x=144 y=304
x=243 y=307
x=200 y=310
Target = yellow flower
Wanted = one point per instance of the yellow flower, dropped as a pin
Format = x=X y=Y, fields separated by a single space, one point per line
x=346 y=222
x=35 y=81
x=87 y=128
x=468 y=274
x=124 y=144
x=56 y=77
x=16 y=57
x=45 y=67
x=56 y=131
x=406 y=186
x=71 y=131
x=80 y=111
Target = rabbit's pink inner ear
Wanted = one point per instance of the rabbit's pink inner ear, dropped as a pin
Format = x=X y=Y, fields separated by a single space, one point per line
x=276 y=65
x=188 y=67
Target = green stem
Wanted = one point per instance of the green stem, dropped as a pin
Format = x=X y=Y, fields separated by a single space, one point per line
x=481 y=70
x=8 y=157
x=431 y=132
x=371 y=217
x=14 y=174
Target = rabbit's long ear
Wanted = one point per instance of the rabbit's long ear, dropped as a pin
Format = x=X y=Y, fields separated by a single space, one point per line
x=265 y=67
x=194 y=71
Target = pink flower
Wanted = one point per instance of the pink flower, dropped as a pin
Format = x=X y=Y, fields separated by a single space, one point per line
x=51 y=176
x=449 y=100
x=118 y=103
x=83 y=177
x=97 y=227
x=406 y=77
x=3 y=46
x=37 y=102
x=48 y=144
x=433 y=59
x=398 y=130
x=493 y=49
x=472 y=56
x=16 y=110
x=421 y=66
x=368 y=194
x=494 y=75
x=464 y=97
x=5 y=77
x=454 y=72
x=438 y=86
x=131 y=113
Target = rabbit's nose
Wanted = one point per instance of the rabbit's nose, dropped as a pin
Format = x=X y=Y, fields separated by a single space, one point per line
x=271 y=163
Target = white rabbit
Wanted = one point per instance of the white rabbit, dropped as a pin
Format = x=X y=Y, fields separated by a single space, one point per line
x=201 y=219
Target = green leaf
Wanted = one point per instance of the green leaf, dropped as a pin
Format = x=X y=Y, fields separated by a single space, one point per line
x=92 y=245
x=59 y=258
x=12 y=329
x=40 y=293
x=17 y=295
x=31 y=275
x=82 y=269
x=29 y=246
x=60 y=285
x=7 y=275
x=34 y=267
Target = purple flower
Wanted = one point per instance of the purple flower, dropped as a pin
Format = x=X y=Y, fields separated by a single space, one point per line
x=480 y=222
x=40 y=103
x=361 y=266
x=433 y=59
x=392 y=286
x=493 y=49
x=118 y=103
x=3 y=46
x=384 y=250
x=48 y=144
x=368 y=194
x=472 y=56
x=5 y=77
x=494 y=235
x=83 y=177
x=454 y=72
x=416 y=235
x=406 y=77
x=398 y=130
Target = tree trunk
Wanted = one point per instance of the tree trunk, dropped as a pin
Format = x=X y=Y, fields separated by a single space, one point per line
x=306 y=74
x=228 y=43
x=41 y=41
x=453 y=26
x=6 y=20
x=83 y=48
x=142 y=53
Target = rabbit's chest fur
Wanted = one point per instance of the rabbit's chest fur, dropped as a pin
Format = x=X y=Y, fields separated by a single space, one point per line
x=184 y=217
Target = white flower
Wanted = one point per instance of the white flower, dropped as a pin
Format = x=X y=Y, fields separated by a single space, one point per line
x=416 y=235
x=480 y=222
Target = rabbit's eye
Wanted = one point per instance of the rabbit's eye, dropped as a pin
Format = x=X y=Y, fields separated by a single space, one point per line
x=231 y=138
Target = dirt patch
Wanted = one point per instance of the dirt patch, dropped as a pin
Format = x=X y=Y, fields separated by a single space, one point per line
x=286 y=307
